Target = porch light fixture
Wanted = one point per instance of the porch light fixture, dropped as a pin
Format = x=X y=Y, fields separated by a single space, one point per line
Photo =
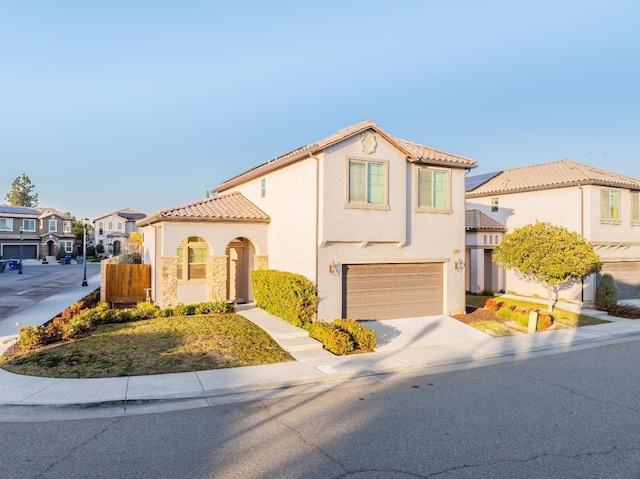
x=459 y=265
x=333 y=268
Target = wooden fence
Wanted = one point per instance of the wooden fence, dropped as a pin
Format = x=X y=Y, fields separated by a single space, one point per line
x=126 y=283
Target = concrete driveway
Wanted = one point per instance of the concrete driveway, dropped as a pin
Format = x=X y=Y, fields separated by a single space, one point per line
x=395 y=334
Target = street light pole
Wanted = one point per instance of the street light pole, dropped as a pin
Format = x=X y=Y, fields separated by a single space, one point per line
x=85 y=220
x=20 y=265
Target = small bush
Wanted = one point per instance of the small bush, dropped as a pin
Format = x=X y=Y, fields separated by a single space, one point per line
x=33 y=337
x=491 y=305
x=628 y=311
x=213 y=307
x=124 y=316
x=144 y=311
x=79 y=324
x=606 y=291
x=487 y=292
x=334 y=339
x=363 y=337
x=180 y=309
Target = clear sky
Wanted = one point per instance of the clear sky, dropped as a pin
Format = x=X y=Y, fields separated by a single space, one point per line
x=147 y=104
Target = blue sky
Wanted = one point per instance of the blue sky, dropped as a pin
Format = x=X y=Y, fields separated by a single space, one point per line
x=147 y=104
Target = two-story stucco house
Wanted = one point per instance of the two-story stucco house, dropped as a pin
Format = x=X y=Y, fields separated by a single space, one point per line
x=601 y=206
x=44 y=232
x=113 y=229
x=376 y=222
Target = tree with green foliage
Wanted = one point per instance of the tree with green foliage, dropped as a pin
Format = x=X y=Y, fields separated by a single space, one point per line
x=21 y=193
x=548 y=255
x=606 y=291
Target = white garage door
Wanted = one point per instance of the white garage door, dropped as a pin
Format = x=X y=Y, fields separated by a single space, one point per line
x=627 y=276
x=389 y=291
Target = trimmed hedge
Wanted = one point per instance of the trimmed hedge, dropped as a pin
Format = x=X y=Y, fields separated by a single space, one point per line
x=289 y=296
x=343 y=336
x=606 y=291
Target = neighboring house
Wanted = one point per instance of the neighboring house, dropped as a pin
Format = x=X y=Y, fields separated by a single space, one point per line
x=376 y=222
x=482 y=235
x=599 y=205
x=44 y=232
x=113 y=229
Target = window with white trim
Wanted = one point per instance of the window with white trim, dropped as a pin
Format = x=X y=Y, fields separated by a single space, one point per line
x=367 y=183
x=53 y=225
x=66 y=226
x=28 y=225
x=66 y=246
x=433 y=189
x=192 y=258
x=635 y=206
x=609 y=205
x=6 y=224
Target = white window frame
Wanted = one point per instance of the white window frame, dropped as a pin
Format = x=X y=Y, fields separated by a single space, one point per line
x=606 y=208
x=635 y=207
x=26 y=222
x=184 y=270
x=367 y=204
x=68 y=246
x=53 y=225
x=66 y=226
x=446 y=208
x=6 y=224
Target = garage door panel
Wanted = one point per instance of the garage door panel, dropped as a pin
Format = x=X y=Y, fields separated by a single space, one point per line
x=385 y=291
x=13 y=252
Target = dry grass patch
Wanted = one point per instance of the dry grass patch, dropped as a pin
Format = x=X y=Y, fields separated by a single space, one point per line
x=154 y=346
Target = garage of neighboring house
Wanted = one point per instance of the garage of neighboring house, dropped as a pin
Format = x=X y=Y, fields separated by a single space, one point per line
x=392 y=290
x=627 y=276
x=10 y=251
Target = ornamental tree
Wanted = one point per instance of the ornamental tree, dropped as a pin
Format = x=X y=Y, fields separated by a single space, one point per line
x=548 y=255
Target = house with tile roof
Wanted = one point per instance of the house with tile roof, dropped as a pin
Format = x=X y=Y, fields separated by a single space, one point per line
x=374 y=221
x=113 y=229
x=43 y=230
x=600 y=205
x=482 y=235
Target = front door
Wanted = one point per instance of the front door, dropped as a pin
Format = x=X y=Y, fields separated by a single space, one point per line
x=237 y=279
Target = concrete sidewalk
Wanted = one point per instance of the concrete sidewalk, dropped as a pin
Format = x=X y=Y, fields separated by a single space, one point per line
x=406 y=347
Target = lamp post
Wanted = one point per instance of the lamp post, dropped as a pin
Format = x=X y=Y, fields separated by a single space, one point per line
x=20 y=264
x=85 y=220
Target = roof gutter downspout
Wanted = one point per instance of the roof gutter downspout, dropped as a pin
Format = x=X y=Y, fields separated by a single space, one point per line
x=581 y=233
x=317 y=232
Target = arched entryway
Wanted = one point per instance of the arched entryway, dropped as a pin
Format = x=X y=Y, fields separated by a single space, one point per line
x=239 y=253
x=117 y=247
x=51 y=248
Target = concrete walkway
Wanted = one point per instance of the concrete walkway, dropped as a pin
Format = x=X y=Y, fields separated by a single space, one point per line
x=406 y=347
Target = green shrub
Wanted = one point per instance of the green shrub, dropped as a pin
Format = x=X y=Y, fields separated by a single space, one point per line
x=213 y=307
x=334 y=339
x=105 y=316
x=628 y=311
x=79 y=324
x=486 y=292
x=289 y=296
x=180 y=309
x=606 y=291
x=144 y=310
x=124 y=316
x=363 y=337
x=129 y=258
x=33 y=337
x=166 y=313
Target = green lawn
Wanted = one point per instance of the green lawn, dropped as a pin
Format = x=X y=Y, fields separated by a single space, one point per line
x=154 y=346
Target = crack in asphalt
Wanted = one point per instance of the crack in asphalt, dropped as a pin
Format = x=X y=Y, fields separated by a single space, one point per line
x=84 y=443
x=303 y=439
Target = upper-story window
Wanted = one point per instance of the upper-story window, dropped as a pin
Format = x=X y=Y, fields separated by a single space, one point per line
x=6 y=224
x=110 y=226
x=367 y=184
x=433 y=189
x=100 y=228
x=635 y=206
x=494 y=205
x=610 y=205
x=119 y=226
x=66 y=226
x=28 y=225
x=263 y=187
x=53 y=225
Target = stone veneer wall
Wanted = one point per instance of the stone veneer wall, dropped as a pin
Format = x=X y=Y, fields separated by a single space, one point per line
x=261 y=262
x=169 y=282
x=218 y=278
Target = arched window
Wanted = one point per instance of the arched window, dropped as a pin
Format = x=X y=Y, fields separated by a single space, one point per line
x=192 y=258
x=496 y=239
x=110 y=226
x=485 y=239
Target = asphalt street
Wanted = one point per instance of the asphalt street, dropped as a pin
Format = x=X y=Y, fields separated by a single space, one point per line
x=571 y=415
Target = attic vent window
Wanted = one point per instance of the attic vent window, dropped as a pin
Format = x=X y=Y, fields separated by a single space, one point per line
x=494 y=205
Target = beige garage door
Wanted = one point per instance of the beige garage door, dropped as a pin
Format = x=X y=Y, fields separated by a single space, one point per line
x=627 y=276
x=388 y=291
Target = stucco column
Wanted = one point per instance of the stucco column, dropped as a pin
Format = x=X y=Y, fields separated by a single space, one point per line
x=169 y=282
x=218 y=278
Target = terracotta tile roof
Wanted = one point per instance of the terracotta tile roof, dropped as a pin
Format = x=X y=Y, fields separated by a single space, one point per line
x=415 y=153
x=557 y=174
x=224 y=207
x=476 y=220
